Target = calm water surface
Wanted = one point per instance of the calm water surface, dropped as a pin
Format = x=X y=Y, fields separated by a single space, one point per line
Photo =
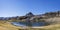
x=26 y=24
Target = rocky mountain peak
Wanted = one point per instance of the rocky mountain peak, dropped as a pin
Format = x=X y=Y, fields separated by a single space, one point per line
x=29 y=14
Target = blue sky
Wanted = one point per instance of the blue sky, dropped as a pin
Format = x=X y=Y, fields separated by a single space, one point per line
x=10 y=8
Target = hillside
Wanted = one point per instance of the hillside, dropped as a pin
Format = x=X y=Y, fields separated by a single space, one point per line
x=51 y=20
x=4 y=25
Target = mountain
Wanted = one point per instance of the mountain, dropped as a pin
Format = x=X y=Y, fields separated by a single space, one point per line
x=52 y=19
x=29 y=14
x=47 y=17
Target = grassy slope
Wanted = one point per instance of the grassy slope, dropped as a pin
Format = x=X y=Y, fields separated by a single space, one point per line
x=50 y=27
x=7 y=26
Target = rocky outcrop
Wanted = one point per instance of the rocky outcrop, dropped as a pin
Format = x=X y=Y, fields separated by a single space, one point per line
x=29 y=14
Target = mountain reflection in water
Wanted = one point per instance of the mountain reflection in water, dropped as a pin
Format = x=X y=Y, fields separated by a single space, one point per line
x=26 y=24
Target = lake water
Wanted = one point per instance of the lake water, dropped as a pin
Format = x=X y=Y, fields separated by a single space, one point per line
x=26 y=24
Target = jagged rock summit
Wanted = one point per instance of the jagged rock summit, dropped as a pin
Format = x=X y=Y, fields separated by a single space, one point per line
x=29 y=14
